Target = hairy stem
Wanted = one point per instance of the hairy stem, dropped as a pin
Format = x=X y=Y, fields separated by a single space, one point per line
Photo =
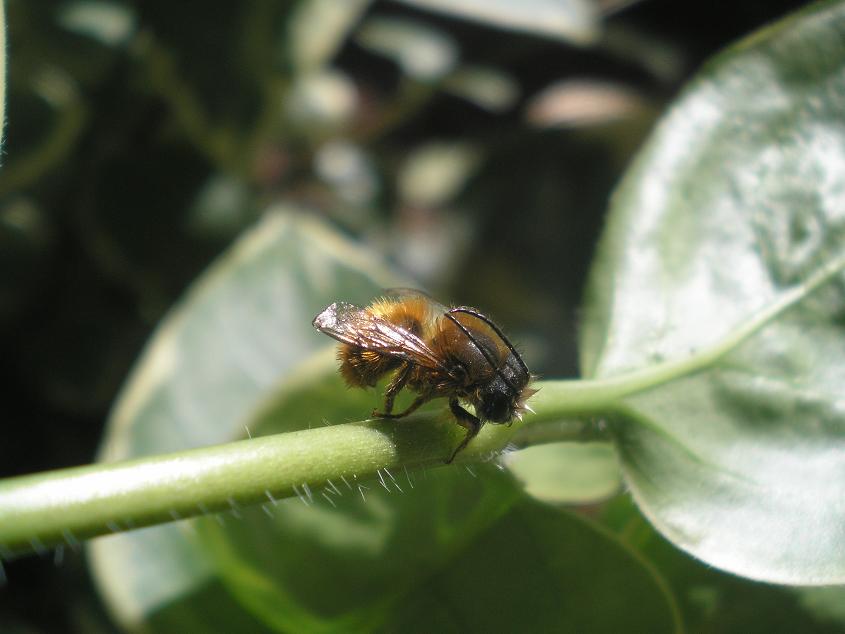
x=65 y=506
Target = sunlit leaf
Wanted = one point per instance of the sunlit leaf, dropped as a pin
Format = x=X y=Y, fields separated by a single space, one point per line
x=735 y=210
x=567 y=473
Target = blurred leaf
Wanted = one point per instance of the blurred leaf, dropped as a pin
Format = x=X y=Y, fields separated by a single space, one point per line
x=435 y=173
x=826 y=604
x=574 y=21
x=420 y=51
x=222 y=207
x=582 y=102
x=111 y=23
x=734 y=211
x=318 y=28
x=244 y=326
x=320 y=103
x=160 y=577
x=350 y=170
x=567 y=473
x=488 y=88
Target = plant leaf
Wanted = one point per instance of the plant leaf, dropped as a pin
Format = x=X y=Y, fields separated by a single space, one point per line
x=539 y=569
x=567 y=472
x=344 y=556
x=736 y=210
x=714 y=601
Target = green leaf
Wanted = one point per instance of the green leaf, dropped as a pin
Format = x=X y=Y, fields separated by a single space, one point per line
x=723 y=258
x=542 y=570
x=827 y=604
x=714 y=601
x=243 y=327
x=160 y=577
x=346 y=554
x=567 y=473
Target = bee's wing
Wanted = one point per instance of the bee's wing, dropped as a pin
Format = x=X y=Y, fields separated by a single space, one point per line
x=358 y=327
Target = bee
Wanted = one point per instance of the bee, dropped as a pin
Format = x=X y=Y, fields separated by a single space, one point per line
x=457 y=353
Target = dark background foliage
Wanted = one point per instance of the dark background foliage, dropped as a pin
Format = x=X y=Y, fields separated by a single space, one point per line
x=131 y=161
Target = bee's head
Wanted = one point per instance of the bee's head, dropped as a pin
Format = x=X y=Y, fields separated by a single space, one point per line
x=497 y=402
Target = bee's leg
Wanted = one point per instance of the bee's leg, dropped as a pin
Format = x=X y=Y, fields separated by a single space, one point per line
x=465 y=420
x=420 y=400
x=393 y=388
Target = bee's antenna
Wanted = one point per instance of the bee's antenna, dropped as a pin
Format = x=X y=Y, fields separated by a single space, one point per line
x=482 y=349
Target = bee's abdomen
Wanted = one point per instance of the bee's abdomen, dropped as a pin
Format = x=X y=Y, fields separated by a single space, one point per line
x=363 y=368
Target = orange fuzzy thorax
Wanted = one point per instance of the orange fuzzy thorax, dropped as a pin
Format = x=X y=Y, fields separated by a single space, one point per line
x=413 y=314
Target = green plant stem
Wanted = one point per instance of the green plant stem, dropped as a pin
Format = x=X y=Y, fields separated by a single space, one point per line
x=62 y=507
x=65 y=506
